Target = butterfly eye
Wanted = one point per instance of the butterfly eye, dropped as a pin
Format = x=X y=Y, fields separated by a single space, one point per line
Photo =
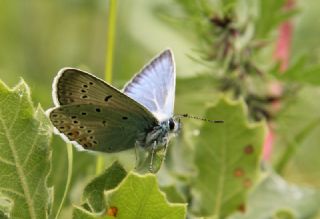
x=171 y=124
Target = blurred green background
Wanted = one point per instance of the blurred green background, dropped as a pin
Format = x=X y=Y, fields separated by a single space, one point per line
x=39 y=37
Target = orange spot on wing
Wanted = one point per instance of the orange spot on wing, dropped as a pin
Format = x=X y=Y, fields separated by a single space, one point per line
x=73 y=134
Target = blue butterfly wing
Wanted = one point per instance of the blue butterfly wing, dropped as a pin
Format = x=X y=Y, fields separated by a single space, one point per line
x=154 y=86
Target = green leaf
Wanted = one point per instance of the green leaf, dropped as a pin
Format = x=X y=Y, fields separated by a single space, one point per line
x=300 y=72
x=93 y=194
x=275 y=198
x=188 y=101
x=80 y=213
x=173 y=195
x=271 y=14
x=298 y=129
x=25 y=155
x=310 y=75
x=136 y=196
x=227 y=157
x=139 y=197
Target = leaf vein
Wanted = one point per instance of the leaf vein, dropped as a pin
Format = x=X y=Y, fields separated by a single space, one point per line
x=15 y=115
x=3 y=160
x=35 y=140
x=12 y=191
x=221 y=178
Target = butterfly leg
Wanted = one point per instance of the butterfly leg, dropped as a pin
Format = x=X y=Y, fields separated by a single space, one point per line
x=165 y=150
x=136 y=153
x=153 y=150
x=140 y=154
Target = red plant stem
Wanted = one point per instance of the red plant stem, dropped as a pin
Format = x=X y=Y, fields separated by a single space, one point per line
x=282 y=55
x=282 y=52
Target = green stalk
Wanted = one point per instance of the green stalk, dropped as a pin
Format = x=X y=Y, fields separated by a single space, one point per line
x=111 y=29
x=66 y=189
x=293 y=146
x=110 y=39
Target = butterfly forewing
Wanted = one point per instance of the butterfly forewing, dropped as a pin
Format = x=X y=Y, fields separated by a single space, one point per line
x=75 y=86
x=154 y=86
x=95 y=115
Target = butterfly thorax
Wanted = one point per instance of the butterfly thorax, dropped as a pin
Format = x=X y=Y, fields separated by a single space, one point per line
x=158 y=136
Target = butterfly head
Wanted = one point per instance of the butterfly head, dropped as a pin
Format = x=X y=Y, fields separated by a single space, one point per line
x=174 y=125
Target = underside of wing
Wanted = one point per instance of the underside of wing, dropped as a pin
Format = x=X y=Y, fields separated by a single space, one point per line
x=154 y=86
x=73 y=86
x=100 y=128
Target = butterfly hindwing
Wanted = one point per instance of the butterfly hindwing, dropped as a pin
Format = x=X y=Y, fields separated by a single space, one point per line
x=100 y=128
x=154 y=86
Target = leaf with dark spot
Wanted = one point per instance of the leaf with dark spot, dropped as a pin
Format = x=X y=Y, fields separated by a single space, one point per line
x=224 y=170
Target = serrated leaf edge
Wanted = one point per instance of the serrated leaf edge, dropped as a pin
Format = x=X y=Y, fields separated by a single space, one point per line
x=240 y=101
x=154 y=181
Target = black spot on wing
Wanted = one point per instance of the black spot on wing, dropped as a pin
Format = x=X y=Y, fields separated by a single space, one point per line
x=107 y=98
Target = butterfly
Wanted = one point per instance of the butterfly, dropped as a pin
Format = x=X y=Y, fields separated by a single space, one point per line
x=95 y=116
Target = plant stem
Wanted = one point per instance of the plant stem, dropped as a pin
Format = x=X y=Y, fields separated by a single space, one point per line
x=111 y=29
x=66 y=189
x=110 y=39
x=293 y=146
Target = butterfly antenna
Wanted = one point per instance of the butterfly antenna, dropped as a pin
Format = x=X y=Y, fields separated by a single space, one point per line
x=199 y=118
